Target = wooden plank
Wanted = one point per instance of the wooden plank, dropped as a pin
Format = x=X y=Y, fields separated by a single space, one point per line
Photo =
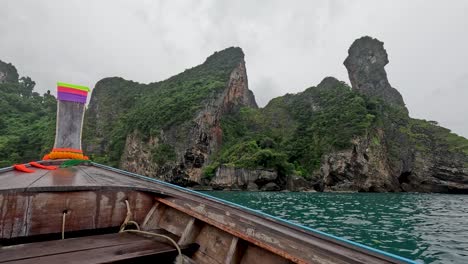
x=108 y=178
x=15 y=215
x=103 y=254
x=25 y=214
x=74 y=178
x=235 y=252
x=289 y=244
x=93 y=249
x=155 y=217
x=63 y=177
x=162 y=232
x=231 y=252
x=253 y=254
x=214 y=245
x=174 y=221
x=149 y=215
x=19 y=181
x=191 y=231
x=25 y=251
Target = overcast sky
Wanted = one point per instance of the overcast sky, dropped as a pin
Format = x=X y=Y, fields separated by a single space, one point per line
x=289 y=45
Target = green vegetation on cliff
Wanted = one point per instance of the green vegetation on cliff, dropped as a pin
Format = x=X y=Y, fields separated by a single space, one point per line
x=291 y=135
x=177 y=99
x=293 y=132
x=27 y=120
x=125 y=106
x=183 y=128
x=428 y=135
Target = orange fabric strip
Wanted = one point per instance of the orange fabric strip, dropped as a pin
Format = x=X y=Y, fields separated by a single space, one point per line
x=65 y=155
x=22 y=167
x=37 y=165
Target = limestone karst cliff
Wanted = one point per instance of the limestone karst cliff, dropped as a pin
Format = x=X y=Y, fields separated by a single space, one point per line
x=203 y=128
x=8 y=73
x=365 y=64
x=398 y=153
x=167 y=129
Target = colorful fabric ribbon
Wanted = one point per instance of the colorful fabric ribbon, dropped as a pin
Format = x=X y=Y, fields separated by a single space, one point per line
x=37 y=165
x=72 y=92
x=22 y=168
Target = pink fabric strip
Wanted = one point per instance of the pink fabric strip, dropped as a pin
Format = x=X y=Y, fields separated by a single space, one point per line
x=71 y=90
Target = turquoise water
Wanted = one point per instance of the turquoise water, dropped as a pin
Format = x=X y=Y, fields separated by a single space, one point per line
x=430 y=228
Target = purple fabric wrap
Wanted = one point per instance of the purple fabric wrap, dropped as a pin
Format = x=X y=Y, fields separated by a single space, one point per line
x=72 y=97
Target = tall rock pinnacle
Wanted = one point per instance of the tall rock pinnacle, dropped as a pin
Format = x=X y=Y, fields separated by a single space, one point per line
x=8 y=73
x=365 y=64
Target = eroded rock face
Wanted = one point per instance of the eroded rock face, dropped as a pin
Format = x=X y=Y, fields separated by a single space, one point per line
x=363 y=168
x=436 y=169
x=395 y=155
x=388 y=157
x=8 y=73
x=137 y=154
x=207 y=135
x=366 y=68
x=244 y=179
x=203 y=136
x=271 y=186
x=436 y=173
x=299 y=184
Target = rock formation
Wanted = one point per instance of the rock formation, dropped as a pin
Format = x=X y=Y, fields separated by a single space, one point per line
x=207 y=135
x=244 y=179
x=203 y=128
x=365 y=63
x=192 y=141
x=400 y=153
x=8 y=73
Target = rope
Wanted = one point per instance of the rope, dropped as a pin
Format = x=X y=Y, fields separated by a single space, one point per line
x=127 y=218
x=138 y=231
x=63 y=225
x=135 y=223
x=158 y=235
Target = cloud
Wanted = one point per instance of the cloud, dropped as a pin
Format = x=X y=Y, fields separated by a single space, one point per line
x=289 y=46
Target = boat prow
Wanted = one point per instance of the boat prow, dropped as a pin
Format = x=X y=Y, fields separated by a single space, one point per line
x=87 y=205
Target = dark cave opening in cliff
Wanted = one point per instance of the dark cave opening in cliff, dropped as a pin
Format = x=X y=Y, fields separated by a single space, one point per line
x=404 y=177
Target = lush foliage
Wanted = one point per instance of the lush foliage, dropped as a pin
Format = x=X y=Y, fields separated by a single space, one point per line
x=428 y=135
x=163 y=153
x=292 y=132
x=128 y=106
x=176 y=100
x=27 y=122
x=290 y=135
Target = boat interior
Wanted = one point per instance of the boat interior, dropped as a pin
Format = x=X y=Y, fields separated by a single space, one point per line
x=91 y=213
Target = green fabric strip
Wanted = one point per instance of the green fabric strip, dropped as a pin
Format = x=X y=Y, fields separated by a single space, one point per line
x=74 y=86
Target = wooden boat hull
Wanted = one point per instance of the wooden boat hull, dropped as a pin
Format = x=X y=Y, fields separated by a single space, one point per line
x=93 y=198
